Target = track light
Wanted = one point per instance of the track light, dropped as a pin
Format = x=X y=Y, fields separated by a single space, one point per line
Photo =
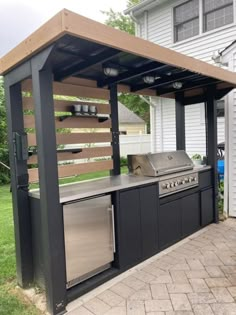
x=111 y=72
x=177 y=85
x=149 y=79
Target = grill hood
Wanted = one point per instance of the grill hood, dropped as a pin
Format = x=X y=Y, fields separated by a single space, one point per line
x=157 y=164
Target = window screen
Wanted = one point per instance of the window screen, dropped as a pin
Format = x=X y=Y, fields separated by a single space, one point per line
x=220 y=109
x=186 y=20
x=217 y=13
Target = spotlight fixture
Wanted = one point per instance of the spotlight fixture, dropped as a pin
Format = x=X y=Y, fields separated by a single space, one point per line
x=111 y=72
x=149 y=79
x=177 y=85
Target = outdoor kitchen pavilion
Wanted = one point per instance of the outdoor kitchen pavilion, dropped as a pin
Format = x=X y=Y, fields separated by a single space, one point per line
x=69 y=56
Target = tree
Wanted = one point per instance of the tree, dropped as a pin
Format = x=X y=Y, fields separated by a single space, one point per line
x=4 y=155
x=120 y=21
x=124 y=23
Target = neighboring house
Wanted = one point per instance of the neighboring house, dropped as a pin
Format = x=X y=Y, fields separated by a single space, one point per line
x=129 y=122
x=133 y=133
x=201 y=29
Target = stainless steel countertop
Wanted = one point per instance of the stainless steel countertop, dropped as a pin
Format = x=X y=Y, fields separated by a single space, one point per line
x=89 y=188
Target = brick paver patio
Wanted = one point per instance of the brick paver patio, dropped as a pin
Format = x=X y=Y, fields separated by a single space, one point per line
x=195 y=276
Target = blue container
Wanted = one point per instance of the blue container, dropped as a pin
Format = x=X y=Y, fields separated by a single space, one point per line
x=221 y=168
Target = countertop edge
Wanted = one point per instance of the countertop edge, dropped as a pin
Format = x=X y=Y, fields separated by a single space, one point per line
x=126 y=182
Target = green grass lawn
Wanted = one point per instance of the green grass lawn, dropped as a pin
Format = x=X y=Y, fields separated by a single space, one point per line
x=11 y=301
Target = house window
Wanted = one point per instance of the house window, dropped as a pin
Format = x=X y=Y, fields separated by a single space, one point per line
x=186 y=20
x=220 y=108
x=217 y=13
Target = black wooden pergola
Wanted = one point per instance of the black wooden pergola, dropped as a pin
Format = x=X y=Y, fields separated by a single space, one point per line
x=69 y=54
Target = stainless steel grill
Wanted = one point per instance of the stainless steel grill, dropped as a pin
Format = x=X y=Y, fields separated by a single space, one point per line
x=175 y=170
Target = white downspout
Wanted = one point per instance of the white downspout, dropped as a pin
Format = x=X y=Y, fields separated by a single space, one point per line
x=226 y=159
x=137 y=24
x=146 y=25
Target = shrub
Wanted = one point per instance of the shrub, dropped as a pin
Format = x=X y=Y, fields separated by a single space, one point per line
x=123 y=161
x=4 y=154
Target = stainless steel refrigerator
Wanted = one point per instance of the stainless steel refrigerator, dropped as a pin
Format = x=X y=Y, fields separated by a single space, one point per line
x=89 y=238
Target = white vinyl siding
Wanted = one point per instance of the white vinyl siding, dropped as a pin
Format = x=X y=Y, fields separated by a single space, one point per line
x=194 y=125
x=230 y=193
x=160 y=20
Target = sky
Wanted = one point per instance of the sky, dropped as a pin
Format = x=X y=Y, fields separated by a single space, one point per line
x=19 y=18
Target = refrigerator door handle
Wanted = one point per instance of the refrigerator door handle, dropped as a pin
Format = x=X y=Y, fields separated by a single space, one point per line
x=111 y=209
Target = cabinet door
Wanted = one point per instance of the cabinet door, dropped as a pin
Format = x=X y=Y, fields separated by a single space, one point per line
x=130 y=228
x=148 y=208
x=207 y=207
x=169 y=223
x=190 y=214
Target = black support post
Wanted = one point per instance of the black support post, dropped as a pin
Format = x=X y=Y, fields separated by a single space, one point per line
x=211 y=143
x=19 y=184
x=180 y=121
x=51 y=210
x=115 y=129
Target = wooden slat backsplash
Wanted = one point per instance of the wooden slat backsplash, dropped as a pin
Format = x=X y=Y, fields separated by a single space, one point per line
x=65 y=106
x=72 y=90
x=75 y=169
x=71 y=122
x=87 y=153
x=75 y=138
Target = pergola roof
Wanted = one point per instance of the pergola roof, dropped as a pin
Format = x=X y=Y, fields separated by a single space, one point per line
x=84 y=47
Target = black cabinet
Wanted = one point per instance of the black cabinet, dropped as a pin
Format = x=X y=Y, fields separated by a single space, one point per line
x=129 y=228
x=148 y=212
x=137 y=225
x=190 y=214
x=146 y=224
x=178 y=218
x=169 y=223
x=207 y=209
x=205 y=179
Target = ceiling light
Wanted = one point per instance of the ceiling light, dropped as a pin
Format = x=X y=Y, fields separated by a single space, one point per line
x=111 y=72
x=149 y=79
x=177 y=85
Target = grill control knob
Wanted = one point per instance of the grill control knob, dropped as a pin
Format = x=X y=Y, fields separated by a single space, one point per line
x=164 y=186
x=168 y=185
x=172 y=184
x=186 y=179
x=195 y=179
x=176 y=184
x=183 y=181
x=190 y=179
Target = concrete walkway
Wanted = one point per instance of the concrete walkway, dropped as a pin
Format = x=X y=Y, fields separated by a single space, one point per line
x=195 y=276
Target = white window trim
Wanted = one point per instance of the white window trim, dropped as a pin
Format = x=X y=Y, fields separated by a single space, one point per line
x=201 y=31
x=202 y=114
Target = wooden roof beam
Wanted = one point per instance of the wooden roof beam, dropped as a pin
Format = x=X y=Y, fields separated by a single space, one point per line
x=188 y=86
x=202 y=98
x=221 y=93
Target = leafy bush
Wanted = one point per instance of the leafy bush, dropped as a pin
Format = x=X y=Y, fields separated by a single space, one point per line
x=221 y=197
x=123 y=161
x=196 y=157
x=4 y=158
